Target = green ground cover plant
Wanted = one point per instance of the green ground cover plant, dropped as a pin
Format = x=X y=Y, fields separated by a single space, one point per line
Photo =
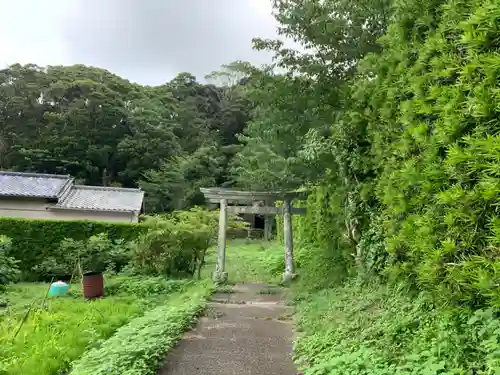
x=44 y=336
x=139 y=347
x=380 y=330
x=141 y=286
x=62 y=329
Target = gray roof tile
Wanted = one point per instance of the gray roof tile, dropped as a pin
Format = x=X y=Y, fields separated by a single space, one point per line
x=36 y=185
x=101 y=198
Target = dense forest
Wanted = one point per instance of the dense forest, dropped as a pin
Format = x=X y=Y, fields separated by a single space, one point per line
x=105 y=130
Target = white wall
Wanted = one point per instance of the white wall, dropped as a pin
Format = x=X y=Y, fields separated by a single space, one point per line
x=39 y=209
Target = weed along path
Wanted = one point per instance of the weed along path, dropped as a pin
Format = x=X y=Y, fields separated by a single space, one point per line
x=245 y=331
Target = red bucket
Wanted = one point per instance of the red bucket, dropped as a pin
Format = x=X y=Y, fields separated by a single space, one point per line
x=93 y=285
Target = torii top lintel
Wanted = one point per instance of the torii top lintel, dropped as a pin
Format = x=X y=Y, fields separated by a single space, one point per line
x=237 y=196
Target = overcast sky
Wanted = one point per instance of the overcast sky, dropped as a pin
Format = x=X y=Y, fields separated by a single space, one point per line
x=146 y=41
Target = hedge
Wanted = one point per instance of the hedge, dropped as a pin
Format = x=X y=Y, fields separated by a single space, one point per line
x=32 y=240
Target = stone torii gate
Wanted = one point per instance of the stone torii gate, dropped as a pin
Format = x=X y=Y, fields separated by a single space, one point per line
x=254 y=200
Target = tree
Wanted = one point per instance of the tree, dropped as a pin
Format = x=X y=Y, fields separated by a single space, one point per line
x=104 y=130
x=175 y=185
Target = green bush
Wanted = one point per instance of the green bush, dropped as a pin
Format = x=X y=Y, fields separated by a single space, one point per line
x=175 y=245
x=433 y=129
x=324 y=251
x=9 y=267
x=33 y=241
x=97 y=253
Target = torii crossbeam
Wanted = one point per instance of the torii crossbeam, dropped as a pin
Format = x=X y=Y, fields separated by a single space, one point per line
x=225 y=197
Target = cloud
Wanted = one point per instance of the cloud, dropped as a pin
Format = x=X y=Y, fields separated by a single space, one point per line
x=147 y=41
x=152 y=40
x=30 y=31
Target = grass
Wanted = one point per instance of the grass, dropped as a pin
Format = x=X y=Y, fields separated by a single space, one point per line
x=59 y=332
x=250 y=262
x=140 y=346
x=20 y=296
x=379 y=330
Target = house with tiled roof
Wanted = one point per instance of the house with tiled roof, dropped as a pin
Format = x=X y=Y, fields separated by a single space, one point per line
x=47 y=196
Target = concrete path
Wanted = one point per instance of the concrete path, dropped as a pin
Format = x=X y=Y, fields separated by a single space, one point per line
x=247 y=332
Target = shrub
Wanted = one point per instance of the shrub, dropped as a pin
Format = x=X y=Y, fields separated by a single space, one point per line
x=9 y=270
x=433 y=128
x=175 y=245
x=98 y=253
x=33 y=241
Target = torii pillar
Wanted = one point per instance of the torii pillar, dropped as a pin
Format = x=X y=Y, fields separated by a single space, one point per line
x=288 y=239
x=219 y=274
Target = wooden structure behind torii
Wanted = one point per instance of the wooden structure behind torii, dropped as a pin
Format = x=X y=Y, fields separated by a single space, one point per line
x=261 y=203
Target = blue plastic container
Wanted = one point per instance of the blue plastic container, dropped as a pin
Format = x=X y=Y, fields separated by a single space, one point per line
x=58 y=289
